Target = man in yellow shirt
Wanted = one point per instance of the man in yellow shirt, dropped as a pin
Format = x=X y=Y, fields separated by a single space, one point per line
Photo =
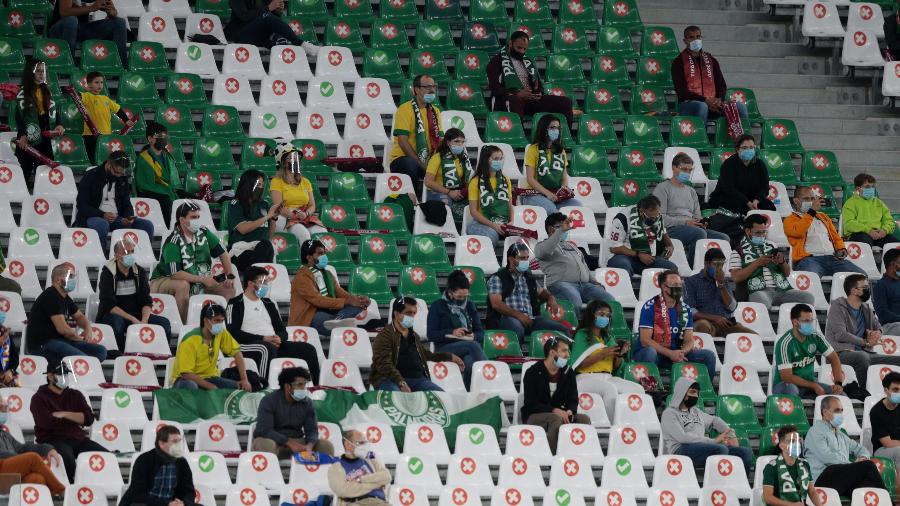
x=100 y=108
x=196 y=361
x=417 y=131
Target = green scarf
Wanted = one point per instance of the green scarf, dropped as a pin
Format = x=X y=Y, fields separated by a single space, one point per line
x=510 y=78
x=328 y=289
x=639 y=233
x=451 y=173
x=550 y=169
x=786 y=487
x=756 y=281
x=425 y=143
x=494 y=202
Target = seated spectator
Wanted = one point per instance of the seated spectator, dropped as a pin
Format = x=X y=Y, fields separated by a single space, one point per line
x=892 y=33
x=886 y=293
x=698 y=80
x=596 y=356
x=835 y=459
x=100 y=109
x=71 y=22
x=292 y=193
x=743 y=181
x=449 y=172
x=54 y=321
x=712 y=299
x=454 y=325
x=684 y=428
x=884 y=418
x=636 y=237
x=567 y=275
x=26 y=459
x=490 y=196
x=796 y=352
x=6 y=284
x=866 y=217
x=666 y=331
x=35 y=113
x=547 y=167
x=249 y=220
x=255 y=322
x=514 y=298
x=60 y=416
x=124 y=292
x=259 y=22
x=516 y=85
x=317 y=299
x=286 y=421
x=104 y=199
x=196 y=360
x=155 y=174
x=816 y=245
x=358 y=478
x=161 y=476
x=551 y=392
x=399 y=357
x=9 y=357
x=417 y=131
x=186 y=260
x=757 y=264
x=680 y=207
x=787 y=479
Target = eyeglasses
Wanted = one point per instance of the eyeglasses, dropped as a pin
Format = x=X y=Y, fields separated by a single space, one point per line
x=356 y=443
x=430 y=87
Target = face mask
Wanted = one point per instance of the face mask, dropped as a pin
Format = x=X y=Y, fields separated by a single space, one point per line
x=565 y=236
x=690 y=401
x=684 y=177
x=516 y=54
x=299 y=395
x=805 y=206
x=160 y=144
x=522 y=266
x=895 y=397
x=496 y=165
x=561 y=362
x=837 y=421
x=2 y=317
x=4 y=417
x=460 y=302
x=711 y=271
x=758 y=241
x=868 y=193
x=176 y=451
x=601 y=322
x=807 y=328
x=696 y=44
x=262 y=291
x=217 y=328
x=194 y=226
x=747 y=154
x=865 y=295
x=128 y=260
x=71 y=284
x=553 y=134
x=322 y=262
x=794 y=449
x=675 y=292
x=407 y=321
x=361 y=451
x=457 y=150
x=257 y=194
x=61 y=382
x=429 y=98
x=649 y=221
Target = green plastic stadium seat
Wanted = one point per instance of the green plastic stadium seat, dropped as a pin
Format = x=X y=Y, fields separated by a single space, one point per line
x=338 y=216
x=214 y=154
x=389 y=218
x=746 y=96
x=571 y=40
x=338 y=250
x=566 y=315
x=633 y=371
x=11 y=56
x=654 y=71
x=138 y=90
x=821 y=166
x=428 y=61
x=717 y=157
x=588 y=161
x=348 y=189
x=784 y=410
x=390 y=35
x=148 y=58
x=700 y=374
x=779 y=165
x=102 y=55
x=444 y=10
x=33 y=6
x=373 y=282
x=578 y=13
x=355 y=10
x=648 y=100
x=218 y=7
x=303 y=28
x=613 y=40
x=565 y=69
x=428 y=250
x=107 y=144
x=498 y=343
x=186 y=89
x=256 y=154
x=537 y=339
x=461 y=96
x=419 y=281
x=18 y=24
x=399 y=11
x=379 y=250
x=435 y=36
x=505 y=127
x=56 y=54
x=311 y=10
x=637 y=162
x=534 y=12
x=69 y=150
x=567 y=138
x=313 y=151
x=384 y=64
x=69 y=116
x=177 y=120
x=287 y=249
x=627 y=191
x=477 y=284
x=480 y=35
x=738 y=412
x=659 y=41
x=471 y=67
x=597 y=131
x=536 y=46
x=610 y=70
x=223 y=121
x=780 y=133
x=722 y=139
x=491 y=11
x=689 y=132
x=644 y=132
x=605 y=100
x=622 y=14
x=346 y=33
x=194 y=179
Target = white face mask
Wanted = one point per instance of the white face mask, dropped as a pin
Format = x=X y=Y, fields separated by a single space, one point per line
x=194 y=225
x=361 y=451
x=176 y=451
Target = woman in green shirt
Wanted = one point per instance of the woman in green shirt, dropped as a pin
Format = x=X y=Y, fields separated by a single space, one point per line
x=249 y=222
x=595 y=370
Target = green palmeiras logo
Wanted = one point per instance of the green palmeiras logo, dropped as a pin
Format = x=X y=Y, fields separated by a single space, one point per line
x=241 y=407
x=402 y=410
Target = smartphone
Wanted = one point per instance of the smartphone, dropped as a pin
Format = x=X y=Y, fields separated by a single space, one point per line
x=220 y=278
x=784 y=251
x=826 y=202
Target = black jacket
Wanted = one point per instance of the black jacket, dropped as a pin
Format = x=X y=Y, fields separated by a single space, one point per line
x=235 y=318
x=739 y=184
x=90 y=194
x=107 y=288
x=537 y=391
x=143 y=473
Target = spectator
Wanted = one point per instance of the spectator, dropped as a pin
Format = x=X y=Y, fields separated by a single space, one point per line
x=866 y=217
x=259 y=22
x=417 y=131
x=698 y=80
x=743 y=181
x=787 y=480
x=35 y=113
x=884 y=419
x=886 y=293
x=9 y=357
x=680 y=207
x=286 y=422
x=835 y=460
x=454 y=325
x=596 y=356
x=490 y=196
x=254 y=321
x=186 y=258
x=892 y=33
x=249 y=217
x=516 y=86
x=816 y=245
x=161 y=476
x=71 y=22
x=399 y=357
x=26 y=459
x=51 y=323
x=514 y=298
x=666 y=332
x=551 y=392
x=292 y=193
x=358 y=478
x=104 y=199
x=712 y=299
x=317 y=298
x=196 y=360
x=449 y=172
x=124 y=292
x=156 y=175
x=567 y=275
x=60 y=416
x=6 y=284
x=763 y=268
x=795 y=353
x=546 y=167
x=684 y=428
x=636 y=236
x=100 y=109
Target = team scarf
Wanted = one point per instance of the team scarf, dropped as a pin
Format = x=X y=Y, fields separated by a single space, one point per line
x=756 y=282
x=699 y=81
x=451 y=173
x=494 y=202
x=190 y=260
x=426 y=143
x=662 y=326
x=327 y=288
x=550 y=169
x=640 y=235
x=510 y=77
x=788 y=489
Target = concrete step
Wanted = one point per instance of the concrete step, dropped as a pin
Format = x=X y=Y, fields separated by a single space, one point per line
x=721 y=48
x=753 y=80
x=824 y=111
x=838 y=126
x=789 y=65
x=683 y=17
x=867 y=142
x=865 y=158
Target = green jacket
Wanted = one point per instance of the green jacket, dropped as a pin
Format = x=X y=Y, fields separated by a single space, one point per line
x=151 y=177
x=861 y=215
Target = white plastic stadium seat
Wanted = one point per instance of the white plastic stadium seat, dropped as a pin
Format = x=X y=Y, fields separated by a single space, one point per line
x=124 y=406
x=18 y=401
x=336 y=62
x=234 y=91
x=631 y=441
x=43 y=212
x=809 y=282
x=890 y=83
x=196 y=58
x=618 y=284
x=522 y=472
x=114 y=436
x=580 y=441
x=697 y=174
x=243 y=60
x=289 y=62
x=676 y=473
x=866 y=16
x=159 y=27
x=472 y=471
x=727 y=471
x=134 y=371
x=373 y=94
x=280 y=92
x=24 y=272
x=177 y=8
x=317 y=124
x=57 y=183
x=755 y=316
x=260 y=468
x=821 y=19
x=32 y=494
x=464 y=121
x=530 y=441
x=861 y=49
x=149 y=210
x=364 y=126
x=203 y=24
x=341 y=373
x=590 y=192
x=447 y=376
x=247 y=495
x=627 y=473
x=418 y=470
x=216 y=436
x=82 y=246
x=269 y=123
x=746 y=349
x=740 y=379
x=426 y=440
x=100 y=469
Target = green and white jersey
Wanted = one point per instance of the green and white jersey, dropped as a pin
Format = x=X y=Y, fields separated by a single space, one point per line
x=791 y=353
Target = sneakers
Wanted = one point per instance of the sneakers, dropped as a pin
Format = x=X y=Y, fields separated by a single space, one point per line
x=345 y=322
x=311 y=49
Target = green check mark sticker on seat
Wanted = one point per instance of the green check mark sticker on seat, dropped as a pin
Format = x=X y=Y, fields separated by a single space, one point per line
x=206 y=463
x=458 y=122
x=623 y=466
x=327 y=89
x=368 y=275
x=269 y=120
x=476 y=436
x=194 y=52
x=415 y=465
x=562 y=497
x=434 y=32
x=31 y=236
x=122 y=399
x=589 y=154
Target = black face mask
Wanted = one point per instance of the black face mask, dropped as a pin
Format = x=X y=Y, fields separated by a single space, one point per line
x=517 y=55
x=257 y=194
x=675 y=292
x=649 y=221
x=690 y=401
x=160 y=144
x=866 y=293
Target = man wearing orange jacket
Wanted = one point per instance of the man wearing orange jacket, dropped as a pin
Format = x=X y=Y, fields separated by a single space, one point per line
x=815 y=242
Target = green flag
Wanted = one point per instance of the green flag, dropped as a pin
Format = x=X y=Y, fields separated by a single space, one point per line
x=190 y=406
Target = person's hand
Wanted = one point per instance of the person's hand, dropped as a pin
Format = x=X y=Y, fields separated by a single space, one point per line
x=524 y=94
x=862 y=458
x=553 y=198
x=499 y=228
x=721 y=438
x=841 y=254
x=245 y=386
x=873 y=338
x=273 y=340
x=405 y=388
x=359 y=301
x=817 y=204
x=110 y=217
x=276 y=5
x=228 y=283
x=8 y=377
x=645 y=258
x=145 y=319
x=456 y=195
x=295 y=446
x=208 y=281
x=459 y=362
x=53 y=456
x=779 y=258
x=695 y=223
x=676 y=355
x=669 y=251
x=460 y=332
x=59 y=130
x=875 y=234
x=562 y=414
x=817 y=388
x=719 y=321
x=837 y=390
x=525 y=319
x=22 y=142
x=134 y=320
x=763 y=261
x=273 y=212
x=128 y=221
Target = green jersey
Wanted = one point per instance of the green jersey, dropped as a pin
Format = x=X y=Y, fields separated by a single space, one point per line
x=193 y=257
x=791 y=353
x=236 y=216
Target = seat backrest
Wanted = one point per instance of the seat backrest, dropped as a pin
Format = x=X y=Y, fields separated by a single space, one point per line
x=727 y=471
x=746 y=349
x=24 y=271
x=373 y=94
x=86 y=372
x=159 y=27
x=259 y=468
x=426 y=440
x=615 y=496
x=351 y=343
x=289 y=62
x=703 y=245
x=269 y=123
x=12 y=182
x=113 y=435
x=676 y=472
x=32 y=494
x=309 y=475
x=875 y=374
x=196 y=303
x=754 y=316
x=243 y=494
x=234 y=91
x=458 y=495
x=203 y=23
x=465 y=121
x=470 y=469
x=43 y=212
x=280 y=92
x=418 y=468
x=217 y=436
x=135 y=371
x=32 y=371
x=523 y=472
x=809 y=282
x=57 y=182
x=581 y=441
x=147 y=338
x=337 y=62
x=649 y=285
x=636 y=410
x=529 y=441
x=317 y=124
x=739 y=379
x=100 y=469
x=18 y=401
x=242 y=60
x=627 y=472
x=341 y=373
x=478 y=440
x=573 y=474
x=784 y=319
x=493 y=377
x=633 y=441
x=124 y=406
x=196 y=58
x=870 y=496
x=866 y=16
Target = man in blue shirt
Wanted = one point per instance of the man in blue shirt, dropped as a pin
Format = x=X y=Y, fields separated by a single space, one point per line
x=712 y=299
x=886 y=294
x=358 y=478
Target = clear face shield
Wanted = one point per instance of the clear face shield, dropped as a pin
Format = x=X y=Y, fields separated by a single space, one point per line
x=40 y=73
x=292 y=163
x=794 y=448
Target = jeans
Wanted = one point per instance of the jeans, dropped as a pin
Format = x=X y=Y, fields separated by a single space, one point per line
x=861 y=360
x=537 y=323
x=104 y=227
x=891 y=329
x=70 y=449
x=262 y=253
x=701 y=110
x=55 y=350
x=475 y=228
x=705 y=357
x=689 y=235
x=547 y=204
x=634 y=266
x=579 y=292
x=846 y=477
x=71 y=31
x=120 y=326
x=410 y=166
x=469 y=351
x=218 y=381
x=414 y=384
x=267 y=30
x=866 y=238
x=319 y=319
x=698 y=453
x=826 y=265
x=792 y=389
x=773 y=297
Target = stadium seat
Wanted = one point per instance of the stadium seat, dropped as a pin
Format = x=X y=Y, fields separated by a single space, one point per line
x=659 y=41
x=362 y=126
x=625 y=440
x=56 y=54
x=320 y=126
x=850 y=423
x=783 y=410
x=689 y=132
x=32 y=369
x=647 y=99
x=809 y=282
x=384 y=64
x=608 y=68
x=471 y=470
x=203 y=23
x=654 y=71
x=269 y=123
x=123 y=406
x=70 y=151
x=573 y=476
x=99 y=469
x=598 y=131
x=494 y=378
x=565 y=69
x=147 y=339
x=890 y=83
x=480 y=35
x=676 y=473
x=866 y=16
x=637 y=162
x=261 y=469
x=505 y=127
x=12 y=182
x=822 y=167
x=821 y=20
x=327 y=95
x=628 y=475
x=738 y=412
x=336 y=62
x=101 y=55
x=426 y=440
x=589 y=191
x=32 y=244
x=159 y=27
x=373 y=94
x=340 y=373
x=447 y=376
x=636 y=410
x=523 y=472
x=230 y=90
x=223 y=121
x=779 y=166
x=581 y=442
x=56 y=183
x=350 y=344
x=113 y=436
x=755 y=317
x=643 y=132
x=739 y=379
x=134 y=371
x=344 y=33
x=588 y=161
x=428 y=250
x=584 y=228
x=870 y=496
x=530 y=217
x=861 y=255
x=32 y=494
x=746 y=349
x=622 y=14
x=465 y=121
x=244 y=494
x=216 y=436
x=86 y=373
x=82 y=246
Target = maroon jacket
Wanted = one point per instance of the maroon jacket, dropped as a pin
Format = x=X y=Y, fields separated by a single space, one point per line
x=681 y=88
x=45 y=403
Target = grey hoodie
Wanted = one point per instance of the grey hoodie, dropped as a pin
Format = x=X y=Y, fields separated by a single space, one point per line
x=683 y=427
x=841 y=325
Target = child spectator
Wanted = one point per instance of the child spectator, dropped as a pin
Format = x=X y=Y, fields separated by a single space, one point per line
x=100 y=108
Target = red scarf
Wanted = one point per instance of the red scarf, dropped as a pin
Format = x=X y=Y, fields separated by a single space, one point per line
x=662 y=326
x=699 y=81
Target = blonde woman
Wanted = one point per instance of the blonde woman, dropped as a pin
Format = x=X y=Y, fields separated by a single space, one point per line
x=290 y=188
